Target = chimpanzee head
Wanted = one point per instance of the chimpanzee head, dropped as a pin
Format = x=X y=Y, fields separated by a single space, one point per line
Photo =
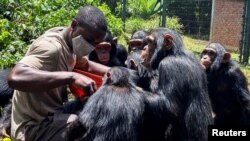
x=133 y=60
x=104 y=51
x=121 y=77
x=137 y=40
x=213 y=56
x=161 y=43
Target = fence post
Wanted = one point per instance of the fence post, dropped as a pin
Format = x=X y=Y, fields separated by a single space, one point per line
x=245 y=39
x=163 y=16
x=124 y=2
x=212 y=21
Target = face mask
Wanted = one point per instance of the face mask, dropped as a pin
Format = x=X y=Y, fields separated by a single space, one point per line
x=81 y=47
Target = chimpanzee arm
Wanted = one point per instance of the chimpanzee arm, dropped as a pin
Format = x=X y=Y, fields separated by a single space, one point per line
x=239 y=86
x=156 y=104
x=155 y=117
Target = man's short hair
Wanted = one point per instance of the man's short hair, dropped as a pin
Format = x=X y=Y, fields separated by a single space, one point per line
x=91 y=17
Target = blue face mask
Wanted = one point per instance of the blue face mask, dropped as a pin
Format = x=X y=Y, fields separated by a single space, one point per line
x=81 y=47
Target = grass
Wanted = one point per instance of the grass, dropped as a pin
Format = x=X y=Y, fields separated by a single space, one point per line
x=196 y=46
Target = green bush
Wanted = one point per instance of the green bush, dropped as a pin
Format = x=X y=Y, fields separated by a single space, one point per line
x=21 y=21
x=138 y=23
x=114 y=23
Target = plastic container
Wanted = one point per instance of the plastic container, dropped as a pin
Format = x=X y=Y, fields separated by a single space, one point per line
x=78 y=92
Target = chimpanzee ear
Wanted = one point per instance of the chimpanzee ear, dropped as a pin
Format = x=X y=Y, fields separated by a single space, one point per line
x=150 y=39
x=133 y=65
x=109 y=76
x=115 y=39
x=168 y=41
x=226 y=57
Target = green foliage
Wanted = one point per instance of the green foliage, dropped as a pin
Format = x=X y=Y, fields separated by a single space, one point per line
x=139 y=8
x=174 y=23
x=22 y=20
x=114 y=23
x=133 y=24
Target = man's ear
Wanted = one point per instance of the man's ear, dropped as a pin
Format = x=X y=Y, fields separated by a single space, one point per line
x=168 y=41
x=74 y=24
x=226 y=57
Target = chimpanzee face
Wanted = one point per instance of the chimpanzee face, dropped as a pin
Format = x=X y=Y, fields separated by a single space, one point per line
x=136 y=44
x=103 y=50
x=208 y=56
x=213 y=56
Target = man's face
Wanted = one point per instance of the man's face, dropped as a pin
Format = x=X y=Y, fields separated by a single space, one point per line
x=84 y=39
x=94 y=37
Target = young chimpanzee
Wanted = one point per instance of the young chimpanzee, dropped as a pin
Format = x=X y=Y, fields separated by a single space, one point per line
x=137 y=40
x=182 y=81
x=121 y=51
x=148 y=79
x=107 y=52
x=120 y=111
x=227 y=86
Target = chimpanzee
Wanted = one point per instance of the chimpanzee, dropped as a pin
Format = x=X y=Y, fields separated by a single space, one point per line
x=107 y=52
x=121 y=52
x=227 y=86
x=182 y=81
x=5 y=91
x=137 y=40
x=120 y=111
x=148 y=79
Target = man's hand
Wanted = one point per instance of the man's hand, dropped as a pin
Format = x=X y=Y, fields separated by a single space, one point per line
x=84 y=82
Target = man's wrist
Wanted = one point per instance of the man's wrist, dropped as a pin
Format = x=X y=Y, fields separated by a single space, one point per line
x=70 y=79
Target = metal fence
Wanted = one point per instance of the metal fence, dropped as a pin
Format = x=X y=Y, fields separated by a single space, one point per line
x=245 y=38
x=195 y=15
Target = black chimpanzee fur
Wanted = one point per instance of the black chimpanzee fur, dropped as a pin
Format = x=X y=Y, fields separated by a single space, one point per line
x=148 y=79
x=5 y=119
x=183 y=82
x=6 y=92
x=228 y=90
x=119 y=111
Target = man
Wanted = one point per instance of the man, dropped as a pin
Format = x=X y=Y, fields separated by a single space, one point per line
x=40 y=78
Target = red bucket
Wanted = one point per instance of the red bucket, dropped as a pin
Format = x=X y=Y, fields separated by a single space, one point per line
x=78 y=92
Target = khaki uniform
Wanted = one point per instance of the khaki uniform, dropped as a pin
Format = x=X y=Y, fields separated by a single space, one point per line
x=49 y=52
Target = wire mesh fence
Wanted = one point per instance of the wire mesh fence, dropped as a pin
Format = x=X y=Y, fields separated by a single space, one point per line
x=224 y=21
x=195 y=15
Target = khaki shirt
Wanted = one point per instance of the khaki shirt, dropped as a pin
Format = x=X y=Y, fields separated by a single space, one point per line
x=49 y=52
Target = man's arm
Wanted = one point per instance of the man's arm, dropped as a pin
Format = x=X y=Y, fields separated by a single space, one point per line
x=28 y=79
x=90 y=66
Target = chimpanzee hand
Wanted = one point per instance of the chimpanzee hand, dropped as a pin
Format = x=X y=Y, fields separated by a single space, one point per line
x=84 y=82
